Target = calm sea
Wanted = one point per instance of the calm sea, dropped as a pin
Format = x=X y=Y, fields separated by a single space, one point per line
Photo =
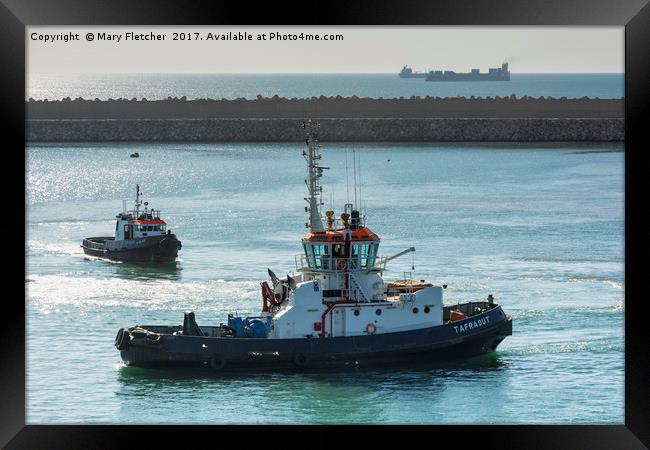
x=151 y=86
x=539 y=227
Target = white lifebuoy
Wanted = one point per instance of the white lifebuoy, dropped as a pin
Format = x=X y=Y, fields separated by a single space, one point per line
x=371 y=328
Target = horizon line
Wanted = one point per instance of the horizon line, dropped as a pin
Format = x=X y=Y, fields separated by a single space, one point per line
x=296 y=73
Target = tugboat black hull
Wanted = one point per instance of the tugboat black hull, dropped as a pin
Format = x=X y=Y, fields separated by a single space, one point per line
x=155 y=249
x=450 y=341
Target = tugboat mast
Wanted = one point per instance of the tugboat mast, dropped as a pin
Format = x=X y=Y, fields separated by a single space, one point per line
x=315 y=171
x=138 y=202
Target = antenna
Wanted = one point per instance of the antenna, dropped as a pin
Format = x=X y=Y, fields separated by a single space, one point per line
x=315 y=171
x=137 y=200
x=347 y=177
x=354 y=170
x=360 y=207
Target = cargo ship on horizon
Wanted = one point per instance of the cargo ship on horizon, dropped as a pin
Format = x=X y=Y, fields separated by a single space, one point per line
x=493 y=74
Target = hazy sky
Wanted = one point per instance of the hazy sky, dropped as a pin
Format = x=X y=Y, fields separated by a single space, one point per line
x=362 y=50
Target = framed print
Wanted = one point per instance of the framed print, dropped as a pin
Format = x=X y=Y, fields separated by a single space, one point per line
x=408 y=214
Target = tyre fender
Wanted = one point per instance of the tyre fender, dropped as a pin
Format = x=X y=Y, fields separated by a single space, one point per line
x=301 y=359
x=218 y=362
x=122 y=339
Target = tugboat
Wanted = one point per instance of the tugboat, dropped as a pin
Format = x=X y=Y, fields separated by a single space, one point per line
x=140 y=236
x=335 y=310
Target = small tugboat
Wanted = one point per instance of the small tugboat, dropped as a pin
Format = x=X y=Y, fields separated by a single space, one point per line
x=336 y=310
x=140 y=236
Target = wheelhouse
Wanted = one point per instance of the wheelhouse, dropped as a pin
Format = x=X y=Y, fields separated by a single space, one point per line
x=330 y=251
x=137 y=223
x=145 y=225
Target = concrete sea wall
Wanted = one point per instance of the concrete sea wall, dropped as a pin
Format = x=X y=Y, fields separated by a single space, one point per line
x=394 y=129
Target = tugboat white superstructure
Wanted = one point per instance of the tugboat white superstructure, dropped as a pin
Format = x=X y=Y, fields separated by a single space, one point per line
x=140 y=236
x=335 y=310
x=341 y=290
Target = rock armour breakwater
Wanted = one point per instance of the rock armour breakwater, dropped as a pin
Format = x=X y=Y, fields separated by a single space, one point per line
x=344 y=119
x=347 y=129
x=328 y=107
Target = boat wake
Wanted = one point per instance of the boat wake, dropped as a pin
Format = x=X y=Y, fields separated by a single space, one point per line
x=52 y=292
x=596 y=346
x=34 y=248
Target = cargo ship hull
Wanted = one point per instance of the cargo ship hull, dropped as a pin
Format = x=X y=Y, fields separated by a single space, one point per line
x=468 y=77
x=413 y=75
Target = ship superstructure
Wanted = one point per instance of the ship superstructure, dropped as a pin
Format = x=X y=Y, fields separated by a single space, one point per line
x=340 y=289
x=407 y=72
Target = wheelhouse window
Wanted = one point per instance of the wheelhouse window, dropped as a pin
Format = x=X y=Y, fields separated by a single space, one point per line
x=321 y=255
x=309 y=254
x=359 y=255
x=364 y=255
x=372 y=255
x=354 y=256
x=332 y=256
x=318 y=256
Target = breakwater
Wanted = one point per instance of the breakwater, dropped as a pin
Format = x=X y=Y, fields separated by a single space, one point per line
x=278 y=130
x=343 y=119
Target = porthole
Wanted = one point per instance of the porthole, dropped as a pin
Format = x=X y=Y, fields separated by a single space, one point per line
x=356 y=312
x=415 y=310
x=378 y=312
x=426 y=310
